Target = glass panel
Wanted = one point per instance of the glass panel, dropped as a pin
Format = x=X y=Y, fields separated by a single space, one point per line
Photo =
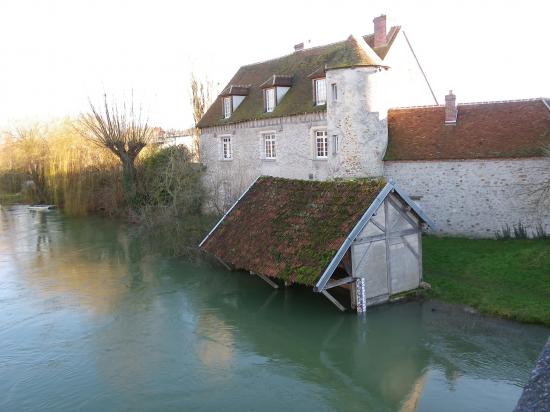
x=227 y=151
x=269 y=144
x=226 y=107
x=321 y=142
x=270 y=100
x=320 y=91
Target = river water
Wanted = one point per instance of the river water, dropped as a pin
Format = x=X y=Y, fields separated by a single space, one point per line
x=89 y=320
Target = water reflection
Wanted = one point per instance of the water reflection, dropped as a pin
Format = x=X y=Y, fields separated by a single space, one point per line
x=89 y=319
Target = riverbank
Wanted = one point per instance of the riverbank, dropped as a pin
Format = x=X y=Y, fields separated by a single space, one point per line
x=506 y=278
x=11 y=198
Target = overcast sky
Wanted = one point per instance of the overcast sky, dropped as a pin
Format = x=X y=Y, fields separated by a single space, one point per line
x=56 y=54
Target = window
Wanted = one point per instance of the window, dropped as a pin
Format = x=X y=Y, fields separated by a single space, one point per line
x=321 y=144
x=269 y=100
x=227 y=150
x=226 y=107
x=335 y=144
x=269 y=146
x=320 y=91
x=334 y=90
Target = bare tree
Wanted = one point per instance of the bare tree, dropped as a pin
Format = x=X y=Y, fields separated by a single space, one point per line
x=201 y=99
x=120 y=130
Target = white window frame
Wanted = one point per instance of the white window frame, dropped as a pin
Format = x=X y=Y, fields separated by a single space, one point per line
x=320 y=87
x=335 y=144
x=269 y=145
x=226 y=147
x=227 y=107
x=270 y=99
x=321 y=144
x=334 y=91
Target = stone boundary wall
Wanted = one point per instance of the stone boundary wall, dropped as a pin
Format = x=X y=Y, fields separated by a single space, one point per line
x=476 y=197
x=536 y=394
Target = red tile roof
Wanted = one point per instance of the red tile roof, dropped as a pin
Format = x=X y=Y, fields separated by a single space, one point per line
x=509 y=129
x=291 y=229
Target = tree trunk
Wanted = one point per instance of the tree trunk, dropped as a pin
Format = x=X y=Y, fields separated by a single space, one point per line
x=128 y=179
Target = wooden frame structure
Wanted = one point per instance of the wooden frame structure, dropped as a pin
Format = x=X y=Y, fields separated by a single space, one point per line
x=382 y=256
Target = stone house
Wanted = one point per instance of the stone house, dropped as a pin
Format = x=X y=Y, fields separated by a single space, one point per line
x=363 y=107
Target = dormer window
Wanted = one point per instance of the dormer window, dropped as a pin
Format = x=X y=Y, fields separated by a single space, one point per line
x=227 y=106
x=270 y=101
x=232 y=96
x=320 y=87
x=275 y=89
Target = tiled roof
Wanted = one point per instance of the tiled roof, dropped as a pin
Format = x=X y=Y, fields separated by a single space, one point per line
x=300 y=65
x=509 y=129
x=291 y=229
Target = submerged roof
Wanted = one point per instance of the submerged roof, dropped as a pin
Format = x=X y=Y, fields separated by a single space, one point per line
x=291 y=229
x=352 y=52
x=509 y=129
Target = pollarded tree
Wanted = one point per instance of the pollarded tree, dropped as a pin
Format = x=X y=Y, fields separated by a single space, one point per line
x=201 y=93
x=120 y=129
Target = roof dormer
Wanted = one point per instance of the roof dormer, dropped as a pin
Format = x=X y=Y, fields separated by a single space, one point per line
x=232 y=96
x=274 y=89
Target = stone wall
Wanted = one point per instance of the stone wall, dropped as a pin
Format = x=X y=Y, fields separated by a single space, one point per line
x=357 y=121
x=475 y=197
x=295 y=154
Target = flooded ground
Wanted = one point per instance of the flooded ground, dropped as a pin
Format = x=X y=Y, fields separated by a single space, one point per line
x=90 y=320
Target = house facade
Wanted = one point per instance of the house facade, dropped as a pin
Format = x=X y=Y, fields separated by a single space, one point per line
x=330 y=112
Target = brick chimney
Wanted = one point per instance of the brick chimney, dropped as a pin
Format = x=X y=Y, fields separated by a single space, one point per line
x=379 y=30
x=450 y=108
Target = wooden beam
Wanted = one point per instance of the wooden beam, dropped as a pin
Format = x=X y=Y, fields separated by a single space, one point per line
x=402 y=212
x=333 y=300
x=266 y=279
x=223 y=263
x=339 y=282
x=388 y=257
x=376 y=238
x=409 y=246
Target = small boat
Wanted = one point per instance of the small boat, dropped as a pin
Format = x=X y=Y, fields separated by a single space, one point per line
x=42 y=208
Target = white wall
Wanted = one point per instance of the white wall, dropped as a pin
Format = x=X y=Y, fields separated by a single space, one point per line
x=475 y=197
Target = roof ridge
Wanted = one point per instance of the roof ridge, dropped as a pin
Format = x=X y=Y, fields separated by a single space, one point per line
x=532 y=99
x=290 y=54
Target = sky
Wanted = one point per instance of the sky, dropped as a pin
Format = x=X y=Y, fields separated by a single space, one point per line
x=57 y=54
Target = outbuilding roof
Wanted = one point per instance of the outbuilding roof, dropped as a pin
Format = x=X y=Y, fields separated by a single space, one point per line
x=352 y=52
x=508 y=129
x=293 y=229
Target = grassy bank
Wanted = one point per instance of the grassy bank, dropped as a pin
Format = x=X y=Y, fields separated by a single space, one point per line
x=508 y=278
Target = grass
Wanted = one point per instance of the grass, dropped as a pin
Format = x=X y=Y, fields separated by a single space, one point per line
x=507 y=278
x=11 y=198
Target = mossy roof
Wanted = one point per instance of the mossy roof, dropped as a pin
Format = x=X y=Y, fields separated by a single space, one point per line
x=291 y=229
x=352 y=52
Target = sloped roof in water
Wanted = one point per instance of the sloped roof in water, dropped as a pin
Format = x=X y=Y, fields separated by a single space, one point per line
x=291 y=229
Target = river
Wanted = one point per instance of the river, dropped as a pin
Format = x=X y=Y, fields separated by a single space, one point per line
x=91 y=320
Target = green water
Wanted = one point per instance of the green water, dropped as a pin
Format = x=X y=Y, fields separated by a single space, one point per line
x=89 y=320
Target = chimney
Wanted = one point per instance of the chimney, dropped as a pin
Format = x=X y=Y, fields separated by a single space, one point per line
x=379 y=30
x=298 y=47
x=450 y=108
